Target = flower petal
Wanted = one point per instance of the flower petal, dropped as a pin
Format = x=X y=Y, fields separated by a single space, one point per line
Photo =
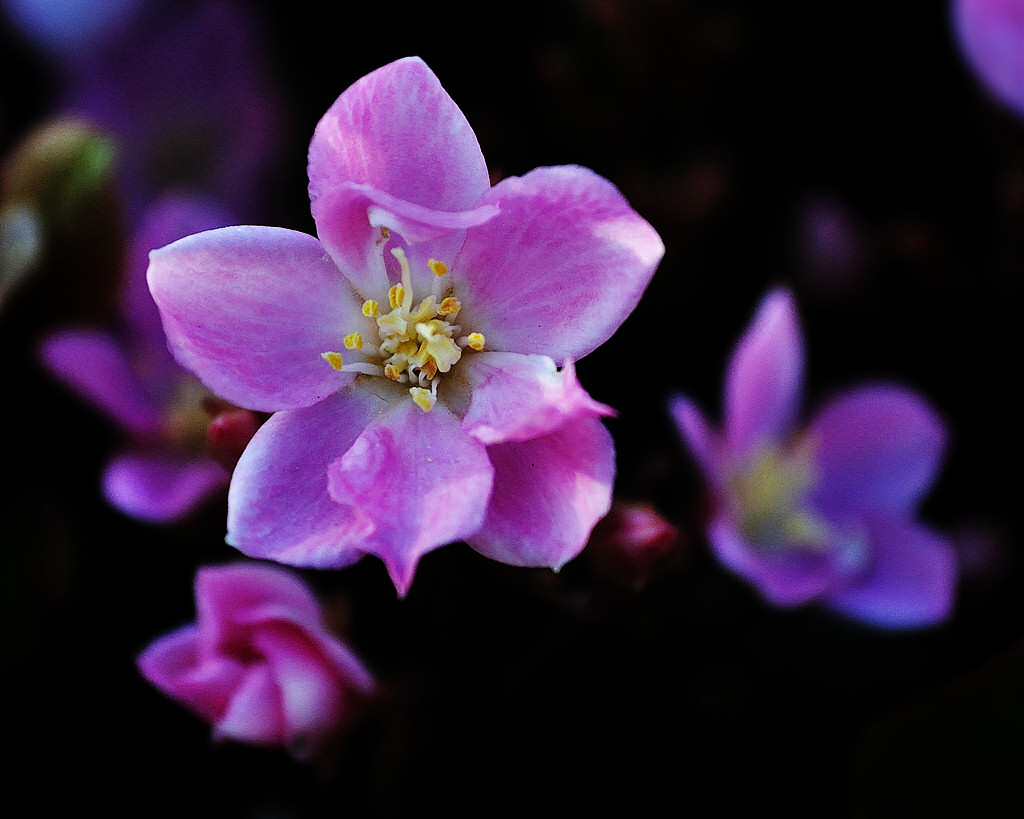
x=784 y=577
x=517 y=397
x=703 y=442
x=160 y=486
x=278 y=504
x=174 y=665
x=250 y=310
x=877 y=448
x=95 y=365
x=549 y=493
x=353 y=223
x=911 y=582
x=763 y=383
x=397 y=130
x=255 y=712
x=232 y=599
x=560 y=267
x=419 y=478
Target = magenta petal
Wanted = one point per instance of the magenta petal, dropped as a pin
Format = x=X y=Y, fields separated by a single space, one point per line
x=231 y=600
x=560 y=267
x=311 y=696
x=419 y=478
x=159 y=486
x=516 y=397
x=255 y=712
x=250 y=310
x=912 y=580
x=96 y=366
x=877 y=448
x=762 y=388
x=548 y=495
x=991 y=36
x=175 y=666
x=349 y=219
x=278 y=504
x=397 y=130
x=786 y=577
x=703 y=442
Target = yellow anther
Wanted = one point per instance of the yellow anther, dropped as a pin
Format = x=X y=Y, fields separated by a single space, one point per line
x=334 y=359
x=439 y=268
x=371 y=309
x=393 y=372
x=476 y=341
x=424 y=398
x=449 y=306
x=429 y=368
x=395 y=295
x=354 y=341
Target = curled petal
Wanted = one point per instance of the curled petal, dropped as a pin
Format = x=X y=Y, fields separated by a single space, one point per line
x=877 y=448
x=419 y=478
x=250 y=310
x=96 y=366
x=278 y=504
x=397 y=130
x=549 y=493
x=159 y=486
x=703 y=442
x=353 y=221
x=911 y=581
x=763 y=383
x=516 y=397
x=255 y=713
x=559 y=268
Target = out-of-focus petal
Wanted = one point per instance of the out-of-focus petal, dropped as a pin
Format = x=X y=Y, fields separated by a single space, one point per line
x=279 y=506
x=398 y=130
x=991 y=36
x=876 y=448
x=559 y=268
x=95 y=365
x=703 y=442
x=549 y=493
x=763 y=382
x=419 y=478
x=161 y=486
x=517 y=397
x=911 y=581
x=255 y=713
x=231 y=599
x=250 y=310
x=784 y=577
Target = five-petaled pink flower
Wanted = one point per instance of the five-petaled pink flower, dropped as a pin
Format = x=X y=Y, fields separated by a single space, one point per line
x=418 y=355
x=826 y=513
x=259 y=663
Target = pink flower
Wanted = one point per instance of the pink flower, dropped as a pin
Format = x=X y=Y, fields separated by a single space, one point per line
x=825 y=513
x=990 y=34
x=411 y=353
x=259 y=664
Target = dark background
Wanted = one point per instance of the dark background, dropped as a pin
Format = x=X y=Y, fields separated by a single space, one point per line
x=509 y=690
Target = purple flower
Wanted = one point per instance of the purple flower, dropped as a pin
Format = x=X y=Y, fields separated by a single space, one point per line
x=990 y=34
x=410 y=352
x=259 y=663
x=826 y=513
x=130 y=376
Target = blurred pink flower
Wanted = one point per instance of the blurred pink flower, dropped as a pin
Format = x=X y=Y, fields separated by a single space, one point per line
x=990 y=34
x=259 y=663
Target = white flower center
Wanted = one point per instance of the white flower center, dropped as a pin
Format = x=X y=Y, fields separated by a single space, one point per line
x=415 y=344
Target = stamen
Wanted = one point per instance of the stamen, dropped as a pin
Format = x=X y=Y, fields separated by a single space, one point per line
x=334 y=359
x=354 y=341
x=393 y=372
x=474 y=341
x=403 y=261
x=439 y=268
x=395 y=295
x=371 y=309
x=449 y=306
x=425 y=399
